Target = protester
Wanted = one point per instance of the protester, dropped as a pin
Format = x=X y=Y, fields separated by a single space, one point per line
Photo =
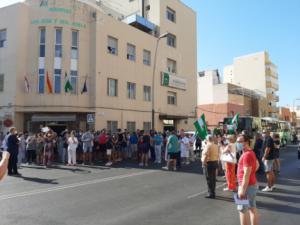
x=276 y=165
x=48 y=148
x=258 y=150
x=247 y=167
x=39 y=148
x=210 y=157
x=230 y=164
x=268 y=160
x=12 y=148
x=172 y=151
x=184 y=148
x=109 y=150
x=158 y=141
x=72 y=146
x=133 y=141
x=31 y=145
x=87 y=140
x=145 y=149
x=22 y=149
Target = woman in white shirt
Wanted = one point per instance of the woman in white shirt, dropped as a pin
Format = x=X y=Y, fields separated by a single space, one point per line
x=72 y=146
x=230 y=164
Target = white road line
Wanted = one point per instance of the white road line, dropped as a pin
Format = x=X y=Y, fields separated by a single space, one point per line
x=74 y=185
x=203 y=192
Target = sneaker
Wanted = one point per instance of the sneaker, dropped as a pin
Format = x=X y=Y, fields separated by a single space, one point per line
x=187 y=163
x=108 y=164
x=267 y=189
x=273 y=187
x=165 y=168
x=226 y=189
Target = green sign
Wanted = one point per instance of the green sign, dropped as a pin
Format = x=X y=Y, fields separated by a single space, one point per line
x=166 y=79
x=50 y=21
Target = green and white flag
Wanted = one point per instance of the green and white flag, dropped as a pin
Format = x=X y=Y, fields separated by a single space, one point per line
x=201 y=127
x=235 y=120
x=233 y=124
x=68 y=85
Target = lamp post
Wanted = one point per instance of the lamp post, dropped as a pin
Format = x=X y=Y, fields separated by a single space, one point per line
x=153 y=77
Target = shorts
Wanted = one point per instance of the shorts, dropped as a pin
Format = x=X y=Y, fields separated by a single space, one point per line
x=102 y=147
x=251 y=196
x=172 y=155
x=87 y=148
x=108 y=151
x=268 y=165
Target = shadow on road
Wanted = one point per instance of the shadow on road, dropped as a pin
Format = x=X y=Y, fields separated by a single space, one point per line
x=39 y=180
x=278 y=207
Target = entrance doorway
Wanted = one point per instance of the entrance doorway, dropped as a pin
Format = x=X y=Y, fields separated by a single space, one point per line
x=58 y=128
x=169 y=125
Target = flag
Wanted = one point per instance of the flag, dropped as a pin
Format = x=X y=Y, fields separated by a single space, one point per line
x=26 y=85
x=49 y=85
x=233 y=124
x=201 y=127
x=235 y=119
x=84 y=88
x=68 y=85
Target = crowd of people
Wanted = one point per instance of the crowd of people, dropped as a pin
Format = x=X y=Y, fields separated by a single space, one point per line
x=87 y=148
x=234 y=155
x=241 y=159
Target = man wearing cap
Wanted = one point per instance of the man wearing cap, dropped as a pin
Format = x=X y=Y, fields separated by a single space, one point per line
x=210 y=156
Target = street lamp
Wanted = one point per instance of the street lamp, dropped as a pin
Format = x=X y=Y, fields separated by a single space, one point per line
x=153 y=76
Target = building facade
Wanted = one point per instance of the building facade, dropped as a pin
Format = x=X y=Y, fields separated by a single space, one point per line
x=256 y=72
x=218 y=100
x=107 y=58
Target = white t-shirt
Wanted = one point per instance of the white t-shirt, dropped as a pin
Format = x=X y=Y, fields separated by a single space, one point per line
x=184 y=145
x=73 y=143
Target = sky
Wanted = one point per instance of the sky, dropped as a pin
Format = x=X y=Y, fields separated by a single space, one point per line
x=230 y=28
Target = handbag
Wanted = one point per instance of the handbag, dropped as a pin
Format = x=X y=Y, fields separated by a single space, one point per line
x=229 y=158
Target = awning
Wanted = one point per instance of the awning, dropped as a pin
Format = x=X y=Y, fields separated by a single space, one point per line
x=172 y=117
x=53 y=118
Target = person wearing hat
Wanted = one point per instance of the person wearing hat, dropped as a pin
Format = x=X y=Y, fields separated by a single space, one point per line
x=210 y=157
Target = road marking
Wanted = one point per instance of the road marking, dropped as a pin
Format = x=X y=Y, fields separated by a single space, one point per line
x=74 y=185
x=203 y=192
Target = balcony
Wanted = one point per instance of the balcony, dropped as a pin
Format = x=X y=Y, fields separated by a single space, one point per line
x=140 y=23
x=271 y=70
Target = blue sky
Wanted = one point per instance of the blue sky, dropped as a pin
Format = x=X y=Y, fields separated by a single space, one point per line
x=231 y=28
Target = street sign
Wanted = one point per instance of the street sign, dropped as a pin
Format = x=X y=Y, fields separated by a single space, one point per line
x=90 y=118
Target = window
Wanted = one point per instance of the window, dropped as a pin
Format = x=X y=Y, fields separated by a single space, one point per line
x=42 y=42
x=171 y=15
x=112 y=126
x=112 y=87
x=57 y=81
x=1 y=82
x=130 y=52
x=172 y=99
x=147 y=126
x=41 y=85
x=58 y=42
x=112 y=45
x=171 y=40
x=131 y=126
x=73 y=80
x=2 y=38
x=171 y=64
x=74 y=48
x=131 y=90
x=147 y=93
x=147 y=57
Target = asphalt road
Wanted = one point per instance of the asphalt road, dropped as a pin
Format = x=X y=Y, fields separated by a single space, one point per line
x=124 y=195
